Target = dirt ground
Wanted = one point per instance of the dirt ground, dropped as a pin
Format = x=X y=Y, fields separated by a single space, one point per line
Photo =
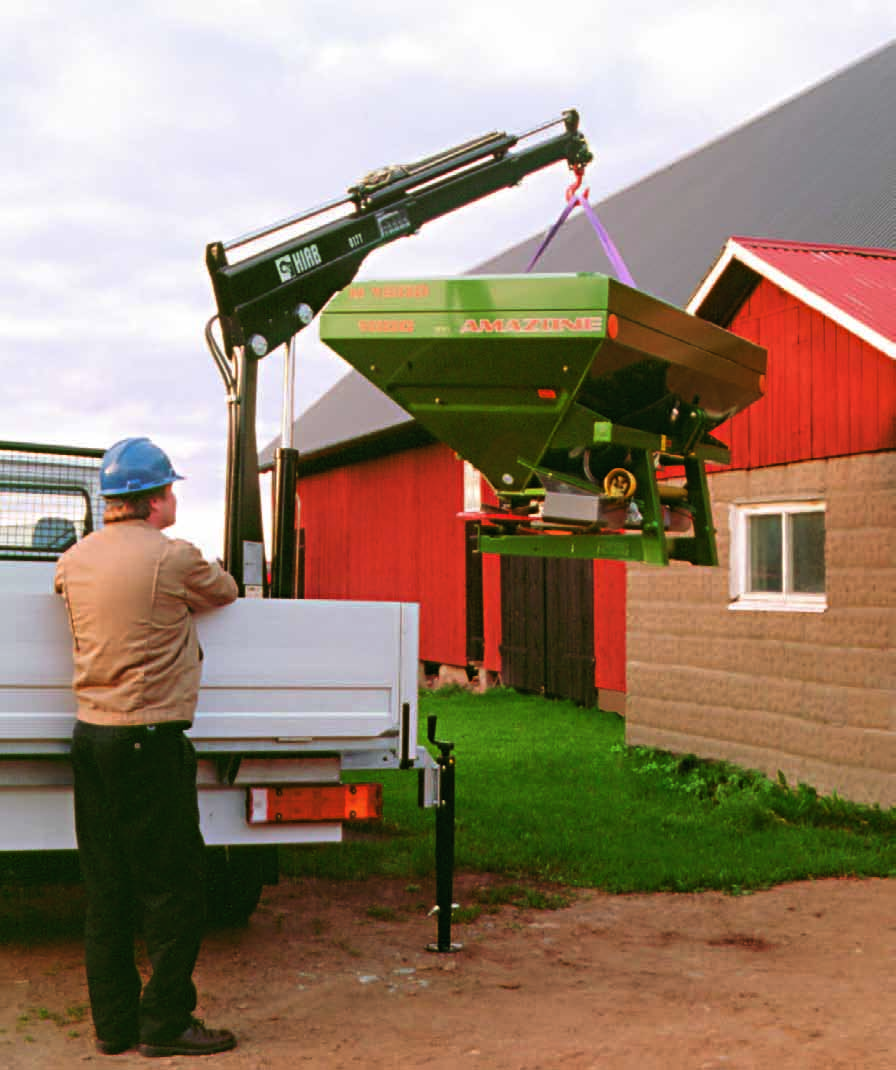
x=338 y=975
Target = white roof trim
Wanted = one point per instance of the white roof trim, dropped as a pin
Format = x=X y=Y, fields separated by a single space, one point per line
x=735 y=251
x=711 y=278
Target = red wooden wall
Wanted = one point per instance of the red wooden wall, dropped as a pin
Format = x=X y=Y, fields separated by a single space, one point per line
x=491 y=595
x=387 y=530
x=609 y=625
x=827 y=393
x=491 y=609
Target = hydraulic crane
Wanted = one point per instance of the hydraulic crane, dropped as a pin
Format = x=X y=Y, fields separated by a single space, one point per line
x=266 y=298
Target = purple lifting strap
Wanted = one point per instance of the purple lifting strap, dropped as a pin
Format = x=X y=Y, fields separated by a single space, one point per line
x=613 y=255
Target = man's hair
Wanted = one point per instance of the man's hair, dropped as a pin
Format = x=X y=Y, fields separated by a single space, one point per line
x=131 y=506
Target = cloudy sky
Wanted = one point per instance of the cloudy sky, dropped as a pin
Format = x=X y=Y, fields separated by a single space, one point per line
x=136 y=134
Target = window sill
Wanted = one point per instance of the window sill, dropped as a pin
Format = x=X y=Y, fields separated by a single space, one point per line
x=763 y=606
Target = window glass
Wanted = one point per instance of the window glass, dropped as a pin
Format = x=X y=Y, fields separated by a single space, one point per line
x=39 y=519
x=777 y=556
x=807 y=536
x=765 y=538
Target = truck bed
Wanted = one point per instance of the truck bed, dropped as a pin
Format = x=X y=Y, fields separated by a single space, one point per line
x=292 y=692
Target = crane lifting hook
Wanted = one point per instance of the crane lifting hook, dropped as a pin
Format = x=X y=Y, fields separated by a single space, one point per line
x=578 y=169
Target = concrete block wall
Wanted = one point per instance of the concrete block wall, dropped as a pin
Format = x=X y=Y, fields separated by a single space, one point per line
x=810 y=694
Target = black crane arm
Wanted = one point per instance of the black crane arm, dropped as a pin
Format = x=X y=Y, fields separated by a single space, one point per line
x=267 y=297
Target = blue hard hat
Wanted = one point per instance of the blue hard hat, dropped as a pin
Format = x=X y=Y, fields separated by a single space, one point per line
x=134 y=465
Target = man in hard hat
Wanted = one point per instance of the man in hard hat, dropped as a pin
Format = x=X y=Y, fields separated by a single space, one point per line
x=131 y=592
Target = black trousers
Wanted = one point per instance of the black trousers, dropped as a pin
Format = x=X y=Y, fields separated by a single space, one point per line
x=143 y=861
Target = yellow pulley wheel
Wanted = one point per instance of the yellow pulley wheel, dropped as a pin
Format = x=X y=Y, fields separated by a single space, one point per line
x=619 y=483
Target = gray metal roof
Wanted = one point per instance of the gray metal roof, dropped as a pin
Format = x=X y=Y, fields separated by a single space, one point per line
x=820 y=167
x=352 y=410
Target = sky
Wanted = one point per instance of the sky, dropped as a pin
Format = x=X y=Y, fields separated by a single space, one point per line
x=134 y=135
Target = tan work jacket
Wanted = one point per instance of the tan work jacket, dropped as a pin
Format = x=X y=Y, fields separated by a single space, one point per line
x=130 y=592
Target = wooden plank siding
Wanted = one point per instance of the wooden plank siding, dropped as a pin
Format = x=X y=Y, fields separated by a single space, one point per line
x=524 y=631
x=388 y=529
x=474 y=593
x=491 y=598
x=570 y=663
x=828 y=393
x=547 y=627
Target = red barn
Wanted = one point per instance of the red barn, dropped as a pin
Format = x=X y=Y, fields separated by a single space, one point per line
x=785 y=657
x=385 y=523
x=386 y=527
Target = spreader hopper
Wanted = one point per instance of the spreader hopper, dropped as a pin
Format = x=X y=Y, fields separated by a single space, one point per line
x=568 y=392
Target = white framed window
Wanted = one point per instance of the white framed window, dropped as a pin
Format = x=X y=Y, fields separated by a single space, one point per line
x=777 y=556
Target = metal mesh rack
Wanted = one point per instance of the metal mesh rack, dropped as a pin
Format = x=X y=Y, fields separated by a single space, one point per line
x=49 y=498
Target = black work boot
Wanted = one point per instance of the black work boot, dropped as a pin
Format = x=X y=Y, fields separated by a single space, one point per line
x=194 y=1040
x=114 y=1047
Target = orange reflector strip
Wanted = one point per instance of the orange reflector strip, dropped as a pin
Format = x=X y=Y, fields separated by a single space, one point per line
x=547 y=393
x=314 y=802
x=612 y=325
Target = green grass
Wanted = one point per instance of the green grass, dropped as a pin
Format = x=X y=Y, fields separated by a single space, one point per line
x=548 y=791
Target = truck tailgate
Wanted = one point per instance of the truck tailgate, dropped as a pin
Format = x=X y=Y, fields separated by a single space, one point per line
x=278 y=676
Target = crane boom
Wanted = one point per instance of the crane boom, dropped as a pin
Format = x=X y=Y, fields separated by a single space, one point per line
x=267 y=297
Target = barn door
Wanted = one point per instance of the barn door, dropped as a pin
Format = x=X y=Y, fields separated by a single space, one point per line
x=547 y=627
x=522 y=623
x=569 y=630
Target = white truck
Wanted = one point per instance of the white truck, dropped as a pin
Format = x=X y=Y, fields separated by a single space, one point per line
x=294 y=693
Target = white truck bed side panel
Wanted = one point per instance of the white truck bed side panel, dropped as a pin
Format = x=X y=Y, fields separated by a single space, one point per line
x=27 y=577
x=274 y=671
